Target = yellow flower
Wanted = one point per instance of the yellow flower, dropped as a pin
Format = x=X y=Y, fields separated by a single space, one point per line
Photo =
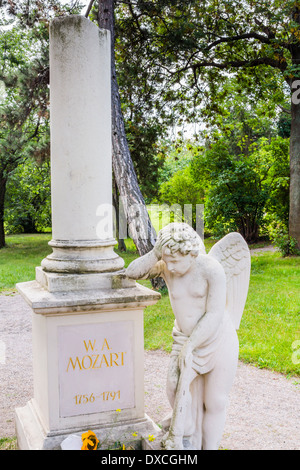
x=123 y=448
x=134 y=434
x=151 y=438
x=90 y=441
x=118 y=410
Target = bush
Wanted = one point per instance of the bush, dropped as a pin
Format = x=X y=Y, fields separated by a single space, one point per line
x=28 y=200
x=280 y=236
x=182 y=189
x=241 y=188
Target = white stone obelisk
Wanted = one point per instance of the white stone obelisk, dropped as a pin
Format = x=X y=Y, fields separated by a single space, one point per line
x=87 y=322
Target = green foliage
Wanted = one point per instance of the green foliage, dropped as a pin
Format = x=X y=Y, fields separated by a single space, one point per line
x=181 y=189
x=284 y=125
x=144 y=117
x=142 y=136
x=8 y=443
x=35 y=14
x=184 y=61
x=279 y=234
x=24 y=126
x=245 y=181
x=192 y=48
x=28 y=203
x=275 y=161
x=177 y=185
x=241 y=173
x=176 y=155
x=24 y=97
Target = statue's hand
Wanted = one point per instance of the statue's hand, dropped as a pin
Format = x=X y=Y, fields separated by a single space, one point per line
x=185 y=358
x=162 y=239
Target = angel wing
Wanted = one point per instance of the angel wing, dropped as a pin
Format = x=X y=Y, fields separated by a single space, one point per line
x=233 y=254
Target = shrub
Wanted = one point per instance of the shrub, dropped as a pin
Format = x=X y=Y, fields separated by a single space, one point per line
x=286 y=244
x=28 y=201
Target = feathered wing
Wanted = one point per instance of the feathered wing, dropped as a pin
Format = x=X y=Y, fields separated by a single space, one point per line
x=233 y=254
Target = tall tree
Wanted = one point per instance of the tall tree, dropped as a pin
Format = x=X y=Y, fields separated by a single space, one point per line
x=198 y=43
x=24 y=72
x=139 y=223
x=23 y=107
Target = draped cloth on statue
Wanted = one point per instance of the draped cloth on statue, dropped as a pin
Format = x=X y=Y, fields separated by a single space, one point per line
x=204 y=357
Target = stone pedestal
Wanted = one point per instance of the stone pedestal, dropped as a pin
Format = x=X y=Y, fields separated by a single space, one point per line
x=87 y=316
x=88 y=362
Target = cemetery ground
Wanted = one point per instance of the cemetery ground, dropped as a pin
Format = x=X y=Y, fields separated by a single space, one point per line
x=269 y=338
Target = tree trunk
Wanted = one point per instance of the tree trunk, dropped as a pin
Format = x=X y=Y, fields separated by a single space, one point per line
x=2 y=197
x=294 y=214
x=131 y=198
x=118 y=214
x=249 y=229
x=140 y=227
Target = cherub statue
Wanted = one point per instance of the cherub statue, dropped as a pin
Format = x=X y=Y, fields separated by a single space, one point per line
x=208 y=294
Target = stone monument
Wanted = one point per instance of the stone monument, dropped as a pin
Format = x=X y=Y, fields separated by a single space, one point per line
x=208 y=294
x=87 y=318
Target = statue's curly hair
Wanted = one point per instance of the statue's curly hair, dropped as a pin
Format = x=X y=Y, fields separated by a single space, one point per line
x=181 y=237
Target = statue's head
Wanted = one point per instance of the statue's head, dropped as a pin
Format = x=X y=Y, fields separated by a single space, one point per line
x=180 y=244
x=181 y=237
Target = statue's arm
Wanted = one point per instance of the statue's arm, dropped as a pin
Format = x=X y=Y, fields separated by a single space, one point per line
x=146 y=267
x=215 y=308
x=149 y=265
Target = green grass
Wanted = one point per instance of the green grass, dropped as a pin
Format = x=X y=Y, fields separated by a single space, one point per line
x=20 y=257
x=270 y=322
x=8 y=443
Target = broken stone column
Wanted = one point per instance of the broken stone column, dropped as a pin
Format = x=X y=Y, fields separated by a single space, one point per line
x=87 y=316
x=81 y=166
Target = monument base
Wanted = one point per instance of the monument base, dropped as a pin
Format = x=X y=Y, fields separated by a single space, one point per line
x=88 y=364
x=32 y=435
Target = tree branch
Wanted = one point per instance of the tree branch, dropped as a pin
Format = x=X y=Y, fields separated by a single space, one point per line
x=35 y=133
x=236 y=64
x=285 y=110
x=253 y=35
x=89 y=8
x=135 y=18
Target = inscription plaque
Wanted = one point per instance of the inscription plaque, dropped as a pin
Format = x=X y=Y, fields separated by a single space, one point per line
x=96 y=367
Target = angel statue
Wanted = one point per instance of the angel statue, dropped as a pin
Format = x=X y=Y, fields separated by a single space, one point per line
x=208 y=294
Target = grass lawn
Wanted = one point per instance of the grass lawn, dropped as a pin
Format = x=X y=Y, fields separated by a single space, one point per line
x=8 y=443
x=20 y=257
x=271 y=320
x=270 y=323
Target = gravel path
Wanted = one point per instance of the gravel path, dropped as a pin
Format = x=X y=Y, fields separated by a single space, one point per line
x=264 y=409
